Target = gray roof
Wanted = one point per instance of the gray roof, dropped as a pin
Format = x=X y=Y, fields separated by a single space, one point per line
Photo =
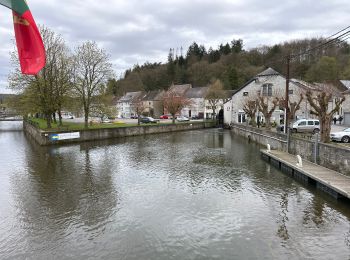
x=130 y=96
x=153 y=95
x=180 y=89
x=268 y=72
x=336 y=90
x=303 y=84
x=346 y=83
x=198 y=92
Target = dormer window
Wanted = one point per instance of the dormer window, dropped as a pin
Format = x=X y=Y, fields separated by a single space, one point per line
x=267 y=90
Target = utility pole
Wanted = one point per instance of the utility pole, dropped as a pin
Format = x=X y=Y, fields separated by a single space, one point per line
x=286 y=108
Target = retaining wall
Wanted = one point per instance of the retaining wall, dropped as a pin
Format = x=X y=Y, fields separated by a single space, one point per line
x=328 y=155
x=277 y=141
x=46 y=137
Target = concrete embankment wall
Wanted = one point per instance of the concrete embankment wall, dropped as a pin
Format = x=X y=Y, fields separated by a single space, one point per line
x=328 y=155
x=277 y=141
x=46 y=137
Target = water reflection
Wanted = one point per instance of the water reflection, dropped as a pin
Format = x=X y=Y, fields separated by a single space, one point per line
x=282 y=231
x=61 y=190
x=189 y=195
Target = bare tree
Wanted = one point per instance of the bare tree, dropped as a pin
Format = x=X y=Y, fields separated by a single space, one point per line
x=63 y=80
x=215 y=94
x=293 y=105
x=267 y=106
x=173 y=103
x=250 y=107
x=91 y=70
x=319 y=101
x=139 y=107
x=47 y=89
x=102 y=106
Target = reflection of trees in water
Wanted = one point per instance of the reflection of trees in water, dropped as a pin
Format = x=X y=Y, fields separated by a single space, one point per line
x=282 y=230
x=314 y=212
x=63 y=186
x=214 y=139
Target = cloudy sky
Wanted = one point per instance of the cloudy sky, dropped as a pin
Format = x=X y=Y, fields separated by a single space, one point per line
x=139 y=31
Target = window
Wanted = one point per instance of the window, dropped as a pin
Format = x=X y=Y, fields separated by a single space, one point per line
x=302 y=123
x=267 y=90
x=310 y=122
x=317 y=122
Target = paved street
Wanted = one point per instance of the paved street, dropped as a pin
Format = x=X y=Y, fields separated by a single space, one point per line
x=337 y=128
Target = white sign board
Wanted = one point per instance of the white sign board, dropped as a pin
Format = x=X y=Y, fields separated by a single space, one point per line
x=65 y=136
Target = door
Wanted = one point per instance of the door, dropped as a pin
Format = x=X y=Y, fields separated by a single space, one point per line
x=302 y=126
x=241 y=118
x=310 y=126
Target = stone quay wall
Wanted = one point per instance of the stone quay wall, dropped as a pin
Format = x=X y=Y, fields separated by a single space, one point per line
x=48 y=138
x=329 y=155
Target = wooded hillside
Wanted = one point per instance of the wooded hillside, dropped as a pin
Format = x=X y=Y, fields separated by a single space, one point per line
x=234 y=65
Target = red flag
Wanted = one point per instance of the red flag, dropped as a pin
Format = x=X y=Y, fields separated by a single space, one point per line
x=31 y=51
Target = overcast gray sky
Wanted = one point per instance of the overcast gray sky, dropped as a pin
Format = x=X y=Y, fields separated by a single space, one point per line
x=139 y=31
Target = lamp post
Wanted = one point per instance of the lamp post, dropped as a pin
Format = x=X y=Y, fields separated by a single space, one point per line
x=287 y=98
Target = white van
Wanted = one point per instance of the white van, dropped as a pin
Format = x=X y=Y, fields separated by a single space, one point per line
x=66 y=115
x=306 y=125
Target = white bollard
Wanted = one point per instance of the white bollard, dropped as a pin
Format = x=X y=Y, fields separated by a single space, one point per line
x=300 y=161
x=268 y=148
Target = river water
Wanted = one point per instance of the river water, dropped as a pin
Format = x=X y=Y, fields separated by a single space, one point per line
x=188 y=195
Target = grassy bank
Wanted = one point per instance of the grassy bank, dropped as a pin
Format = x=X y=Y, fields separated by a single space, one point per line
x=70 y=126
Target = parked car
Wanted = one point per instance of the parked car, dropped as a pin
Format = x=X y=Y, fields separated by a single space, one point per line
x=106 y=120
x=342 y=136
x=182 y=119
x=66 y=115
x=306 y=125
x=148 y=119
x=164 y=117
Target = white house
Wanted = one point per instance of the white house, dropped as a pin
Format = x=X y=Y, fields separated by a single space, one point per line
x=345 y=109
x=268 y=83
x=124 y=104
x=153 y=103
x=197 y=107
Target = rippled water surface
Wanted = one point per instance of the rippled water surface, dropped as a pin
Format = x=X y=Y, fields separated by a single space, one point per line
x=188 y=195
